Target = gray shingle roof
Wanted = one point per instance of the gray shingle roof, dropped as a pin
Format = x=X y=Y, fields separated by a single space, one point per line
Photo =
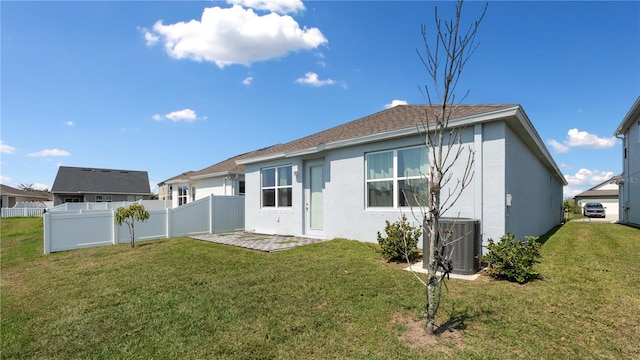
x=395 y=118
x=598 y=193
x=92 y=180
x=36 y=195
x=225 y=166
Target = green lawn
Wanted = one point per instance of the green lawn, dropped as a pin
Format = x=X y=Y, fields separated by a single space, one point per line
x=187 y=299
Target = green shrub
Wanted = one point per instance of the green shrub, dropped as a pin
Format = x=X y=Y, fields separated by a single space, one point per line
x=400 y=240
x=512 y=259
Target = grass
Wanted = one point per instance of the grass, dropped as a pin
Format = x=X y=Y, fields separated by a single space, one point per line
x=180 y=298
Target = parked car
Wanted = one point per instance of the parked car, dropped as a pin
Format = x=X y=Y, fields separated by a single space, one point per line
x=593 y=210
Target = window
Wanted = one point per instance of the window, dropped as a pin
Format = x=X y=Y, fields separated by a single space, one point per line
x=182 y=194
x=103 y=198
x=277 y=186
x=396 y=177
x=241 y=187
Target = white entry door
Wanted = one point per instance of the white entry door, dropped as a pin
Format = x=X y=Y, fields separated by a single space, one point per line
x=314 y=199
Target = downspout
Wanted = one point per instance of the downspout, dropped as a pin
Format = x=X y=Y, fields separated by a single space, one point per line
x=478 y=178
x=623 y=205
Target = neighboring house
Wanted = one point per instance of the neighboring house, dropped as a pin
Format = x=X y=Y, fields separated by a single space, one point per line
x=629 y=131
x=344 y=182
x=225 y=178
x=10 y=196
x=605 y=193
x=78 y=184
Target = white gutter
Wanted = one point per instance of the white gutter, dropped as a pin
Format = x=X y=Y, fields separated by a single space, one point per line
x=633 y=113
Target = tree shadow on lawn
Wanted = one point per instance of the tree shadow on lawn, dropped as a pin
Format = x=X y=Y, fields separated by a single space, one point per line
x=449 y=335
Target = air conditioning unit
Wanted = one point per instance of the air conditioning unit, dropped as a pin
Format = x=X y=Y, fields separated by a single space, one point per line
x=464 y=237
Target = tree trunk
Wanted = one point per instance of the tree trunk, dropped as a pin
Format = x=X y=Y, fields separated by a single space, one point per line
x=434 y=206
x=133 y=236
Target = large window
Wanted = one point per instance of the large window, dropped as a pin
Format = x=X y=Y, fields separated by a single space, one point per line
x=276 y=186
x=182 y=194
x=397 y=177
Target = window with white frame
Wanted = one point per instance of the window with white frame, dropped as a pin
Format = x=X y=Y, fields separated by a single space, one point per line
x=98 y=198
x=276 y=186
x=397 y=177
x=182 y=194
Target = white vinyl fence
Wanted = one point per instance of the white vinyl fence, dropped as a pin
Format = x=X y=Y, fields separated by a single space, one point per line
x=22 y=212
x=26 y=209
x=81 y=228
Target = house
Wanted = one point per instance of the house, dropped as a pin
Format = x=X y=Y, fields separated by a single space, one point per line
x=10 y=196
x=344 y=181
x=629 y=131
x=225 y=178
x=605 y=193
x=79 y=184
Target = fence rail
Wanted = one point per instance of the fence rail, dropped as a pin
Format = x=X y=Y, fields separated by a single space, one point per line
x=80 y=228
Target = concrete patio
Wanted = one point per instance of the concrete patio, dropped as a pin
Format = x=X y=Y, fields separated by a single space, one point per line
x=260 y=242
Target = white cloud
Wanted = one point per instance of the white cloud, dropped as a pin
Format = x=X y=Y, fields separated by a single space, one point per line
x=395 y=103
x=577 y=138
x=6 y=149
x=588 y=178
x=186 y=115
x=584 y=179
x=248 y=80
x=557 y=146
x=311 y=78
x=39 y=186
x=5 y=179
x=69 y=123
x=226 y=36
x=49 y=152
x=277 y=6
x=150 y=38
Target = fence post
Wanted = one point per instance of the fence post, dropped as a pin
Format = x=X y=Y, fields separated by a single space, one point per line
x=47 y=233
x=114 y=233
x=211 y=227
x=169 y=230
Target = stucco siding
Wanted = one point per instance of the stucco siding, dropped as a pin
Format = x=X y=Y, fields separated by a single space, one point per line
x=284 y=221
x=346 y=214
x=536 y=195
x=631 y=165
x=493 y=181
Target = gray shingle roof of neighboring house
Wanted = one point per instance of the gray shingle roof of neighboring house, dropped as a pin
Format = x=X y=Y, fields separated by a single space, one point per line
x=598 y=193
x=595 y=192
x=36 y=195
x=104 y=181
x=225 y=167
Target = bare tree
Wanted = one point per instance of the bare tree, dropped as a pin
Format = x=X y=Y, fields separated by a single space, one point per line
x=26 y=187
x=444 y=57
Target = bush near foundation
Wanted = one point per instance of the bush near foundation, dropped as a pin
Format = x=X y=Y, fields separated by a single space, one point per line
x=400 y=241
x=511 y=259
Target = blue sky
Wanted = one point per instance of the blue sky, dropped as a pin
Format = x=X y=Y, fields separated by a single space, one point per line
x=168 y=87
